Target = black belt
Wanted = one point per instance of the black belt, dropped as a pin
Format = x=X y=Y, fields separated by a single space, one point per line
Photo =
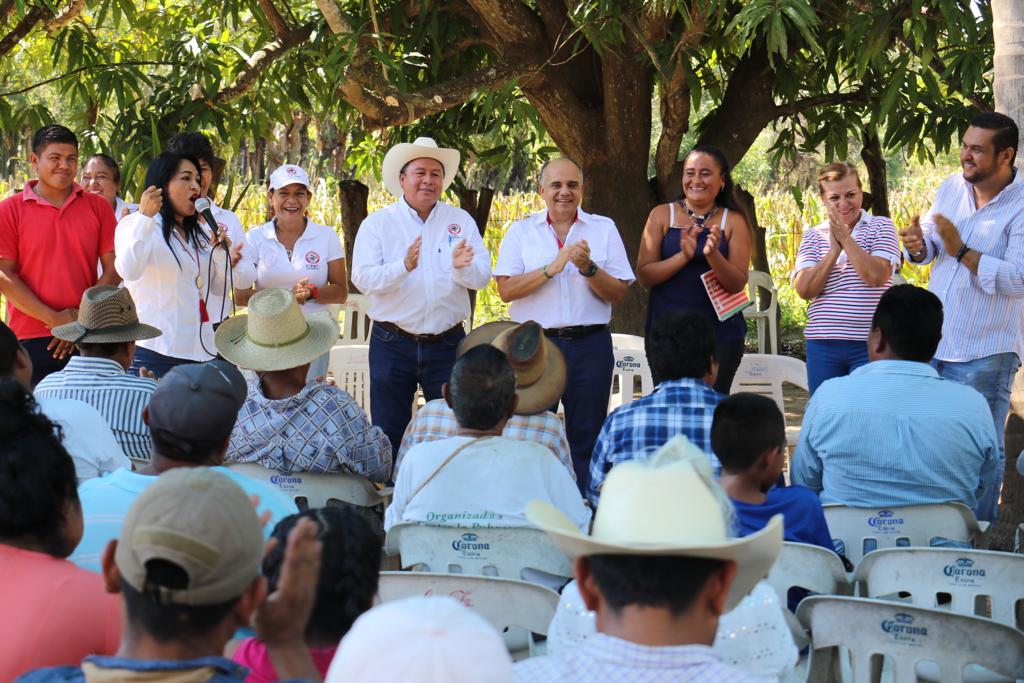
x=574 y=332
x=391 y=327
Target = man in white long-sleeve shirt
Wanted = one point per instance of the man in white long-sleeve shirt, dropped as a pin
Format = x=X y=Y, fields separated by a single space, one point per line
x=416 y=259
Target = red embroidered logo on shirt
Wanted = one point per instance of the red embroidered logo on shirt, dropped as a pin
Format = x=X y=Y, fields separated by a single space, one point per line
x=312 y=258
x=454 y=229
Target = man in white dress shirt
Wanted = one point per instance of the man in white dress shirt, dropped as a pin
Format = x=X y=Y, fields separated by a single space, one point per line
x=416 y=260
x=564 y=268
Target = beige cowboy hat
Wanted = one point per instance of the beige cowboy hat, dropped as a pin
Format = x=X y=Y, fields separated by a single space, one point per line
x=664 y=506
x=539 y=364
x=404 y=152
x=107 y=315
x=274 y=335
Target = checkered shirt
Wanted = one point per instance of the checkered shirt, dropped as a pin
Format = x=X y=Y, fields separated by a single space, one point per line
x=639 y=428
x=436 y=420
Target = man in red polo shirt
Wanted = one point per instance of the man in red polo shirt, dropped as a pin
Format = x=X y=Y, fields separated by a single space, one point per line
x=52 y=233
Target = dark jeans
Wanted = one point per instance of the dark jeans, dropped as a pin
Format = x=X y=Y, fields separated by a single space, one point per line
x=397 y=365
x=43 y=362
x=589 y=364
x=729 y=354
x=828 y=358
x=157 y=363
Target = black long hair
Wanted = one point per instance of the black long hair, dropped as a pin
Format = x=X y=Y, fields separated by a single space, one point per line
x=726 y=197
x=159 y=174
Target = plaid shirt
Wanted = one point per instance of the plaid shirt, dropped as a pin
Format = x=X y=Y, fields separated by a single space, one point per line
x=605 y=659
x=435 y=420
x=679 y=406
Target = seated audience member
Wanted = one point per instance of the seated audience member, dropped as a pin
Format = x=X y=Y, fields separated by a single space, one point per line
x=426 y=640
x=105 y=334
x=532 y=421
x=681 y=353
x=187 y=567
x=349 y=570
x=749 y=438
x=659 y=570
x=287 y=423
x=85 y=434
x=53 y=612
x=190 y=416
x=893 y=432
x=479 y=477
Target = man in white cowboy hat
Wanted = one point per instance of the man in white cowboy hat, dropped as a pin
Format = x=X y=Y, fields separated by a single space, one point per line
x=565 y=268
x=416 y=259
x=659 y=569
x=288 y=423
x=532 y=420
x=105 y=333
x=480 y=478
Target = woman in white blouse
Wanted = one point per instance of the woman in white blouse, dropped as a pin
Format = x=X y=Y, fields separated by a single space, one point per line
x=171 y=263
x=101 y=175
x=292 y=252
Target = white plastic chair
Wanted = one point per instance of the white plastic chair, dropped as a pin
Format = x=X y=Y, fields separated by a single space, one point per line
x=913 y=525
x=764 y=374
x=354 y=329
x=629 y=364
x=350 y=366
x=629 y=342
x=758 y=279
x=315 y=490
x=800 y=565
x=993 y=581
x=490 y=551
x=909 y=636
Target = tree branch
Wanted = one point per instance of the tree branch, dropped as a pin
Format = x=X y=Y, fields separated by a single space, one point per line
x=799 y=106
x=23 y=27
x=261 y=59
x=6 y=8
x=115 y=65
x=66 y=15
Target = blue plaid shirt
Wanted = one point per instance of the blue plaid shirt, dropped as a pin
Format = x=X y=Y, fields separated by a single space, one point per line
x=679 y=406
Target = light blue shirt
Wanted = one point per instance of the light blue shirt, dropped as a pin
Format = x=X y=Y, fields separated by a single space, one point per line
x=105 y=503
x=895 y=433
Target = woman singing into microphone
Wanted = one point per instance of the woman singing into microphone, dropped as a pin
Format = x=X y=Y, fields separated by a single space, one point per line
x=172 y=263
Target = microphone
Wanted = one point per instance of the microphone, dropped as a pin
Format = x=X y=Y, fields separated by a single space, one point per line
x=203 y=206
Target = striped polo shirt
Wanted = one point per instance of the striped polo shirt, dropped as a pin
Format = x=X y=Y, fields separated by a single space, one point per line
x=845 y=306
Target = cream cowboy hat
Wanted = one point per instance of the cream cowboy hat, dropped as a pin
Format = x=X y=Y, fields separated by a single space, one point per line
x=664 y=506
x=107 y=315
x=539 y=364
x=404 y=152
x=274 y=335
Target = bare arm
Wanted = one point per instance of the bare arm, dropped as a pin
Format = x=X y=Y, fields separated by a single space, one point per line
x=25 y=300
x=336 y=289
x=512 y=287
x=608 y=287
x=110 y=276
x=809 y=282
x=651 y=269
x=731 y=272
x=242 y=296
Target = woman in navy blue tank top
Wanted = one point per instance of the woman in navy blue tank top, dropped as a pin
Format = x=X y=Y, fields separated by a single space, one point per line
x=704 y=230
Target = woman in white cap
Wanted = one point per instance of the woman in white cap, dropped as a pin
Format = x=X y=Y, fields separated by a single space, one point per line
x=292 y=252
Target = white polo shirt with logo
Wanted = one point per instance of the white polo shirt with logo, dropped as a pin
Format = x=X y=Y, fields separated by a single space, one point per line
x=316 y=247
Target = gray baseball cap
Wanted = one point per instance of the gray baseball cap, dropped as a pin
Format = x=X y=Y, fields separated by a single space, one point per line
x=196 y=405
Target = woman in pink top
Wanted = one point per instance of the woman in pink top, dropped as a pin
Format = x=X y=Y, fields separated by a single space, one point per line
x=349 y=572
x=53 y=612
x=843 y=267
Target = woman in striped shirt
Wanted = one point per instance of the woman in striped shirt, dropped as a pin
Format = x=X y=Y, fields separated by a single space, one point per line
x=843 y=267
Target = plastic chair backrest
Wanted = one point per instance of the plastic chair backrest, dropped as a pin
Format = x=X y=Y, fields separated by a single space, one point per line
x=315 y=490
x=911 y=526
x=350 y=366
x=489 y=551
x=757 y=279
x=970 y=578
x=502 y=602
x=629 y=364
x=631 y=342
x=800 y=565
x=354 y=329
x=764 y=374
x=908 y=635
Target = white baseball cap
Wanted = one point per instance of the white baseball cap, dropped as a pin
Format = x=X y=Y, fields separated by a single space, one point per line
x=289 y=174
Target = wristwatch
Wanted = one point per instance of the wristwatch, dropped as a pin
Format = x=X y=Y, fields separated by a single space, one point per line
x=591 y=271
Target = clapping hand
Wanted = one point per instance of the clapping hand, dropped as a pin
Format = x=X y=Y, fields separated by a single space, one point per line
x=840 y=231
x=563 y=257
x=302 y=290
x=580 y=255
x=913 y=238
x=412 y=255
x=688 y=241
x=950 y=235
x=714 y=237
x=462 y=254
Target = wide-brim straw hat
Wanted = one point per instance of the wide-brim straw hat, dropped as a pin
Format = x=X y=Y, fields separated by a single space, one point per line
x=274 y=335
x=423 y=148
x=107 y=315
x=664 y=506
x=539 y=364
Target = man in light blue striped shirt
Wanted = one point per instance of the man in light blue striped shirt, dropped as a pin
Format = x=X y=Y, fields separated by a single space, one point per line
x=974 y=236
x=893 y=432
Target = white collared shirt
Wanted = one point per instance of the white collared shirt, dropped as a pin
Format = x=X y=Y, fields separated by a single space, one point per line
x=434 y=296
x=316 y=247
x=86 y=437
x=243 y=275
x=566 y=300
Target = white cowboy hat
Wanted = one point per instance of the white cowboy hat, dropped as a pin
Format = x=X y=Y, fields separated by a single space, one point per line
x=404 y=152
x=664 y=506
x=274 y=335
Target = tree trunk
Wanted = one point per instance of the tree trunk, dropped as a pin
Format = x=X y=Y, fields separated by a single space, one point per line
x=1007 y=27
x=353 y=195
x=874 y=160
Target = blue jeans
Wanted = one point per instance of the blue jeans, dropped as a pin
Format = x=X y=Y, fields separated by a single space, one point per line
x=828 y=358
x=589 y=364
x=157 y=363
x=397 y=365
x=992 y=376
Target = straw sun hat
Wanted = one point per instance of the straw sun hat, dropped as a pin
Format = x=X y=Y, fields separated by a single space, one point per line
x=274 y=335
x=423 y=148
x=107 y=315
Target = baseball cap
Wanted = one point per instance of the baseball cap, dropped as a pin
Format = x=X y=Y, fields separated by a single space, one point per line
x=200 y=521
x=286 y=175
x=442 y=642
x=197 y=404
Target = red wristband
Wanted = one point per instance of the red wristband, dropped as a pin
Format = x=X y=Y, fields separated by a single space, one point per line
x=313 y=292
